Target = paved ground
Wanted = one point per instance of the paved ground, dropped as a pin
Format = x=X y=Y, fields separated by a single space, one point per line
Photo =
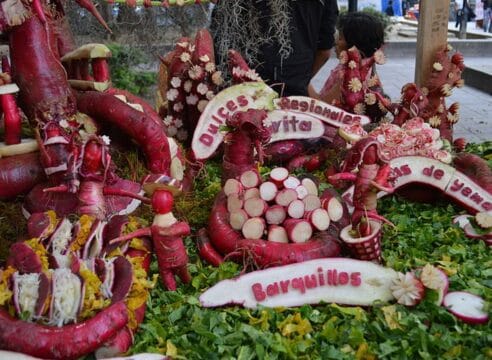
x=475 y=122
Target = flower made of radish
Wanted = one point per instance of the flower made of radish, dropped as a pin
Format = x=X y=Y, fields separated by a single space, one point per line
x=205 y=59
x=446 y=90
x=196 y=72
x=178 y=107
x=185 y=57
x=201 y=105
x=407 y=289
x=360 y=109
x=352 y=64
x=210 y=67
x=192 y=99
x=209 y=95
x=202 y=88
x=188 y=84
x=370 y=99
x=373 y=81
x=175 y=82
x=484 y=220
x=435 y=121
x=217 y=78
x=355 y=85
x=168 y=120
x=431 y=277
x=452 y=118
x=253 y=75
x=172 y=94
x=379 y=57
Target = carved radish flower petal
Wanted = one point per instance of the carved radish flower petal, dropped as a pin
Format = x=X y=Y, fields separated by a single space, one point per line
x=192 y=99
x=172 y=94
x=373 y=81
x=185 y=57
x=187 y=86
x=355 y=85
x=407 y=289
x=253 y=75
x=175 y=82
x=178 y=107
x=209 y=95
x=196 y=72
x=217 y=78
x=446 y=90
x=202 y=88
x=484 y=220
x=352 y=64
x=204 y=58
x=360 y=109
x=201 y=105
x=210 y=67
x=370 y=99
x=452 y=118
x=168 y=120
x=435 y=121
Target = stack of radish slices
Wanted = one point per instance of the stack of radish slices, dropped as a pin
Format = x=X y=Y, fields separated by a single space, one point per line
x=281 y=209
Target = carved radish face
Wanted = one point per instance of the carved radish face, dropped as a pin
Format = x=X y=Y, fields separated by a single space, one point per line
x=162 y=201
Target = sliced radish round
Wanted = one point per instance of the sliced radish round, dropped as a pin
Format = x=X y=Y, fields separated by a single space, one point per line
x=278 y=175
x=234 y=202
x=312 y=202
x=291 y=182
x=466 y=306
x=310 y=185
x=435 y=279
x=275 y=215
x=407 y=289
x=319 y=218
x=298 y=230
x=296 y=209
x=250 y=179
x=255 y=207
x=334 y=208
x=237 y=219
x=268 y=191
x=277 y=233
x=251 y=193
x=254 y=228
x=285 y=197
x=232 y=186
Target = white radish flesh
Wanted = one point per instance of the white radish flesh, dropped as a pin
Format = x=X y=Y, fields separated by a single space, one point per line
x=334 y=208
x=277 y=234
x=278 y=175
x=275 y=215
x=255 y=207
x=298 y=231
x=319 y=218
x=251 y=193
x=310 y=185
x=234 y=202
x=232 y=186
x=253 y=228
x=302 y=192
x=285 y=197
x=466 y=306
x=268 y=191
x=237 y=219
x=250 y=179
x=291 y=182
x=312 y=202
x=296 y=209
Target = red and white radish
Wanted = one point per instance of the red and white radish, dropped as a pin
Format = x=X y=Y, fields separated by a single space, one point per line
x=296 y=209
x=237 y=219
x=319 y=219
x=275 y=215
x=278 y=175
x=291 y=182
x=334 y=207
x=407 y=289
x=298 y=230
x=251 y=193
x=302 y=192
x=268 y=191
x=285 y=197
x=468 y=307
x=67 y=297
x=435 y=279
x=277 y=234
x=250 y=179
x=310 y=186
x=254 y=228
x=255 y=207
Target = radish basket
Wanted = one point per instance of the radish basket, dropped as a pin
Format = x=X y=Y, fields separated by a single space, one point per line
x=364 y=248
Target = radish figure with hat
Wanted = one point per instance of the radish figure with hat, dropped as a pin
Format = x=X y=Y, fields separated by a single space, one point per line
x=166 y=233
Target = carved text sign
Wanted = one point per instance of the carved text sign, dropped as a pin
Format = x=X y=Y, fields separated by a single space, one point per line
x=338 y=280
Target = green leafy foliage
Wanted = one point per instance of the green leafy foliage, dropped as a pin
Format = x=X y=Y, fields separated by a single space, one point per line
x=176 y=324
x=125 y=71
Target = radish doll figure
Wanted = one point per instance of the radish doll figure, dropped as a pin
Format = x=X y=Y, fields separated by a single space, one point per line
x=167 y=235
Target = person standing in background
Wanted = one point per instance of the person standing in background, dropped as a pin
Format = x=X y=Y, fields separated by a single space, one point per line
x=285 y=41
x=487 y=15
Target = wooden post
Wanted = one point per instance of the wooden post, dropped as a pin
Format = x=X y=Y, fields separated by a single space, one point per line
x=432 y=35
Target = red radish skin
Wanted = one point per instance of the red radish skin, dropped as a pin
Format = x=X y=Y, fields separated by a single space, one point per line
x=264 y=253
x=254 y=228
x=275 y=215
x=237 y=219
x=206 y=250
x=68 y=342
x=12 y=119
x=285 y=197
x=298 y=231
x=268 y=190
x=255 y=207
x=234 y=202
x=250 y=179
x=277 y=234
x=467 y=307
x=282 y=151
x=100 y=70
x=150 y=135
x=232 y=186
x=296 y=209
x=20 y=173
x=23 y=258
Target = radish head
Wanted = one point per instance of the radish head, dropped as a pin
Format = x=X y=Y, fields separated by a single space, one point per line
x=162 y=201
